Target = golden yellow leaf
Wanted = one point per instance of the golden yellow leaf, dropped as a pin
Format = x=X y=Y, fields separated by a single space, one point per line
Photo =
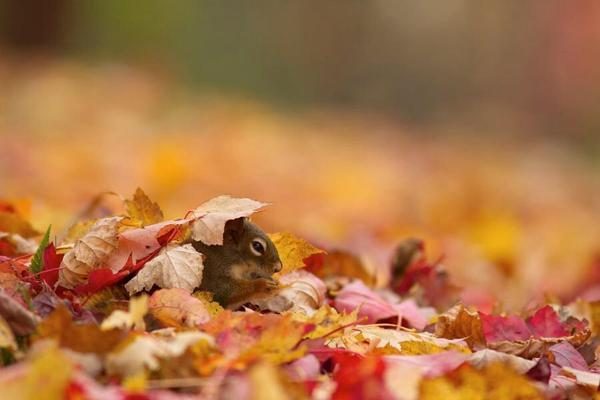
x=327 y=320
x=292 y=250
x=142 y=210
x=494 y=382
x=47 y=376
x=268 y=383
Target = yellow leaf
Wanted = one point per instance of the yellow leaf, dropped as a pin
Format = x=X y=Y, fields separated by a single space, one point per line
x=327 y=321
x=7 y=338
x=46 y=377
x=268 y=383
x=494 y=382
x=459 y=322
x=142 y=210
x=292 y=250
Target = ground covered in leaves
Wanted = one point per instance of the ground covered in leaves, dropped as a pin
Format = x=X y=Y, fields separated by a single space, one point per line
x=113 y=311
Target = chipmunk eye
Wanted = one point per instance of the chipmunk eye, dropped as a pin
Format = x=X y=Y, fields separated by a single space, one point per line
x=258 y=246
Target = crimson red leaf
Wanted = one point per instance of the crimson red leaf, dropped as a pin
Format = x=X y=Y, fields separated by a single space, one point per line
x=497 y=328
x=545 y=323
x=52 y=260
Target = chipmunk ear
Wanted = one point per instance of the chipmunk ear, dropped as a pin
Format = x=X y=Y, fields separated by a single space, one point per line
x=234 y=230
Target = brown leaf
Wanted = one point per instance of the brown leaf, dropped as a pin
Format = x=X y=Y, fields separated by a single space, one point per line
x=89 y=252
x=142 y=210
x=83 y=338
x=175 y=267
x=458 y=323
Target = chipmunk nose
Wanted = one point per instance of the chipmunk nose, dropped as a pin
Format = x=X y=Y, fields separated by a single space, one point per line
x=277 y=266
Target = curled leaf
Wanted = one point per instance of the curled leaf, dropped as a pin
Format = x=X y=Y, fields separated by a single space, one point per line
x=142 y=210
x=89 y=252
x=292 y=250
x=177 y=308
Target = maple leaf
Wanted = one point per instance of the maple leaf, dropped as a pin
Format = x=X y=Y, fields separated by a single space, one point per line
x=209 y=219
x=364 y=338
x=485 y=357
x=134 y=318
x=174 y=267
x=360 y=378
x=292 y=250
x=89 y=252
x=545 y=323
x=177 y=308
x=142 y=210
x=326 y=320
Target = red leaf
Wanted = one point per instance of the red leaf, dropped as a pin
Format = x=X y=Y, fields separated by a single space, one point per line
x=497 y=328
x=359 y=377
x=100 y=279
x=545 y=323
x=52 y=262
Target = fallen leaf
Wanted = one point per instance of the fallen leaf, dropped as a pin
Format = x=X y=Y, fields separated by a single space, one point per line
x=174 y=267
x=47 y=376
x=326 y=320
x=337 y=263
x=292 y=250
x=301 y=292
x=142 y=210
x=83 y=338
x=374 y=307
x=360 y=378
x=7 y=337
x=584 y=378
x=13 y=222
x=145 y=351
x=132 y=319
x=210 y=218
x=495 y=382
x=545 y=323
x=21 y=320
x=486 y=357
x=89 y=252
x=458 y=323
x=177 y=308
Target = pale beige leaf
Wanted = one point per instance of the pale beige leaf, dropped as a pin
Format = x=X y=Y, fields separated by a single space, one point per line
x=486 y=357
x=146 y=350
x=134 y=318
x=584 y=378
x=209 y=219
x=178 y=308
x=175 y=267
x=89 y=252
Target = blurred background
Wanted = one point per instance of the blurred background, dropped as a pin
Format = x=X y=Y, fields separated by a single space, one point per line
x=472 y=125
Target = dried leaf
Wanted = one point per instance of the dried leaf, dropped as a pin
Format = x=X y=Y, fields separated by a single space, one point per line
x=12 y=222
x=459 y=322
x=292 y=250
x=21 y=320
x=7 y=338
x=177 y=308
x=145 y=351
x=89 y=253
x=485 y=357
x=142 y=210
x=209 y=219
x=301 y=292
x=175 y=267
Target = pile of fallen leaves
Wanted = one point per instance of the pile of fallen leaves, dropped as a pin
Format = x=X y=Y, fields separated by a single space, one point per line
x=112 y=311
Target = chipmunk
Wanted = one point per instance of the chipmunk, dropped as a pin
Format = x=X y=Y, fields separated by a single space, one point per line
x=242 y=267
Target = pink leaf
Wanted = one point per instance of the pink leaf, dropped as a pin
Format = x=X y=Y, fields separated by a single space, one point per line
x=566 y=355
